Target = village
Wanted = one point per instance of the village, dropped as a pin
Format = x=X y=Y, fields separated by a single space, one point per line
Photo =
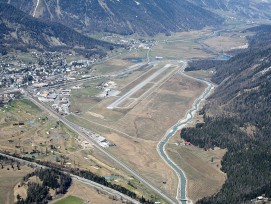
x=39 y=69
x=42 y=69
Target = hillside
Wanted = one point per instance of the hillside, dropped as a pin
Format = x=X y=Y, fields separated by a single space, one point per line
x=238 y=117
x=123 y=17
x=251 y=9
x=21 y=31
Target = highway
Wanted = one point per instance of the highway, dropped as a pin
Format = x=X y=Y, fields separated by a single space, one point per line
x=77 y=129
x=181 y=192
x=137 y=87
x=98 y=186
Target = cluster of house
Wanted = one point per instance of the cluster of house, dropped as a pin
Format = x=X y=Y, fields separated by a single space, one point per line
x=98 y=138
x=59 y=98
x=43 y=69
x=130 y=43
x=7 y=96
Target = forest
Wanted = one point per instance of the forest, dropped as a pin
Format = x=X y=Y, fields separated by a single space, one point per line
x=54 y=178
x=40 y=192
x=37 y=34
x=238 y=117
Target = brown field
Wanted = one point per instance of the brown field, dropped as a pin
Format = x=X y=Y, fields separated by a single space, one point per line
x=123 y=82
x=167 y=73
x=88 y=159
x=111 y=66
x=69 y=149
x=179 y=50
x=141 y=78
x=8 y=180
x=118 y=63
x=148 y=89
x=142 y=91
x=130 y=101
x=88 y=194
x=142 y=156
x=136 y=131
x=85 y=97
x=186 y=36
x=39 y=137
x=201 y=74
x=181 y=45
x=153 y=115
x=150 y=118
x=83 y=103
x=202 y=168
x=225 y=43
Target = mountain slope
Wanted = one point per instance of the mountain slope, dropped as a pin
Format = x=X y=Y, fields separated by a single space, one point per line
x=122 y=16
x=240 y=8
x=21 y=31
x=238 y=117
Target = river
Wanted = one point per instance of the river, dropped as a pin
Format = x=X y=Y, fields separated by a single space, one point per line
x=181 y=194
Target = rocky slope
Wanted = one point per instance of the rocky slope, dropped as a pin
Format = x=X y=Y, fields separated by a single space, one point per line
x=251 y=9
x=121 y=16
x=21 y=31
x=237 y=117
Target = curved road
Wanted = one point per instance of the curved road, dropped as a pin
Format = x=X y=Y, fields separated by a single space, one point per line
x=77 y=129
x=181 y=192
x=100 y=187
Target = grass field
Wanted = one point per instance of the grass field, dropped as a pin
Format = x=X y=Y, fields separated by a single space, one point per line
x=136 y=131
x=84 y=98
x=26 y=130
x=118 y=63
x=202 y=168
x=42 y=133
x=150 y=118
x=226 y=42
x=180 y=46
x=201 y=74
x=8 y=180
x=70 y=200
x=80 y=193
x=178 y=50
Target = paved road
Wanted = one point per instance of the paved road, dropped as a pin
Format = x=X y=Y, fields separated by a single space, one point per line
x=36 y=7
x=181 y=193
x=100 y=187
x=137 y=87
x=77 y=129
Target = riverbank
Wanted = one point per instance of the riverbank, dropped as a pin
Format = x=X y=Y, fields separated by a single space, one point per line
x=182 y=191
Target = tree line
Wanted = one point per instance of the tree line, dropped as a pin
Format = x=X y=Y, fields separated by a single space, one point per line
x=238 y=117
x=51 y=179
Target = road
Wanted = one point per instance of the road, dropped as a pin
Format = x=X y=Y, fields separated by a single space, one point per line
x=98 y=186
x=137 y=87
x=36 y=7
x=77 y=129
x=181 y=192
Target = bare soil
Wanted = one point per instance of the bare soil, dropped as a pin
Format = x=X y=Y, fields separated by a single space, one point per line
x=8 y=180
x=88 y=194
x=202 y=168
